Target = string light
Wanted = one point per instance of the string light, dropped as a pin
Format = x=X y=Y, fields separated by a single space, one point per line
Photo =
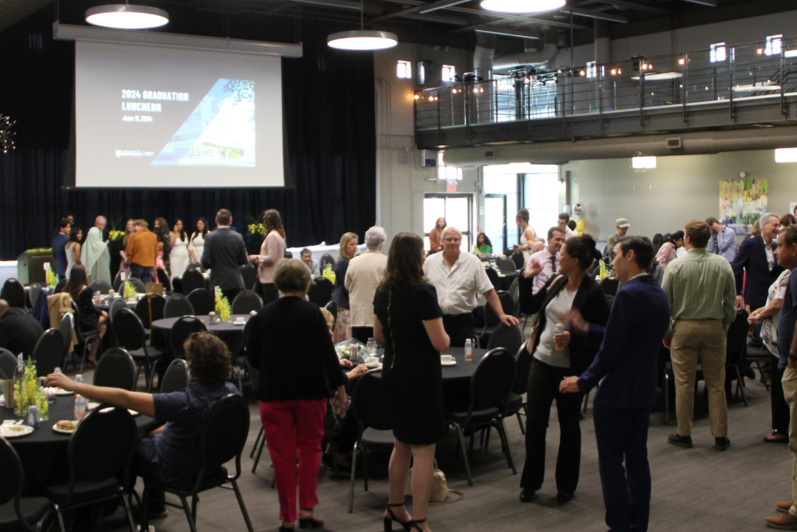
x=5 y=133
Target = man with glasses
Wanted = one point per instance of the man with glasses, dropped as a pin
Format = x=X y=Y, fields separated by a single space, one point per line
x=459 y=278
x=544 y=263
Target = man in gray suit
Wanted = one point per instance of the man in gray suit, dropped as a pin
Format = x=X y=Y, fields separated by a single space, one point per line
x=224 y=254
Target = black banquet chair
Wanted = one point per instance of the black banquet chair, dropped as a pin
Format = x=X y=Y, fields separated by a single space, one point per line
x=222 y=439
x=177 y=305
x=320 y=291
x=48 y=352
x=245 y=302
x=66 y=328
x=506 y=265
x=490 y=387
x=203 y=301
x=519 y=259
x=249 y=275
x=326 y=260
x=195 y=266
x=181 y=330
x=18 y=512
x=139 y=285
x=510 y=338
x=116 y=369
x=176 y=377
x=130 y=335
x=150 y=308
x=100 y=286
x=33 y=294
x=8 y=363
x=192 y=279
x=99 y=449
x=85 y=338
x=14 y=293
x=117 y=281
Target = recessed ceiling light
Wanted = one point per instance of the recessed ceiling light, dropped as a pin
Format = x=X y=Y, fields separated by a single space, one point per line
x=127 y=17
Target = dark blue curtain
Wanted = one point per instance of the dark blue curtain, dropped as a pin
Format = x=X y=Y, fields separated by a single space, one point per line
x=328 y=99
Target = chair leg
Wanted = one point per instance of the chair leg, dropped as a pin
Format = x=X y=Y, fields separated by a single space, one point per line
x=129 y=514
x=740 y=388
x=586 y=402
x=505 y=442
x=257 y=440
x=464 y=454
x=487 y=439
x=259 y=452
x=520 y=422
x=60 y=519
x=242 y=505
x=666 y=399
x=365 y=467
x=351 y=483
x=194 y=502
x=188 y=515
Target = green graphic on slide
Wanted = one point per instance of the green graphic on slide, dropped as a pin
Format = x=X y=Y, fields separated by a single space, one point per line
x=219 y=132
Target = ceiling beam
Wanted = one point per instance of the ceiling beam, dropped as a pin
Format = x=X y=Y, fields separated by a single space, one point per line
x=710 y=3
x=636 y=6
x=596 y=14
x=424 y=8
x=507 y=32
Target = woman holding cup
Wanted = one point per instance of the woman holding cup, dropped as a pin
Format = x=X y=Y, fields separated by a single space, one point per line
x=556 y=355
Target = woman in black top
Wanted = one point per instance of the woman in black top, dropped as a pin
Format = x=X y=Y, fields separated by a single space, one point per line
x=348 y=249
x=556 y=356
x=409 y=323
x=290 y=345
x=89 y=317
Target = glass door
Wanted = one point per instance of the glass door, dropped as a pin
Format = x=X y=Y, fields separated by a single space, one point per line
x=495 y=221
x=455 y=208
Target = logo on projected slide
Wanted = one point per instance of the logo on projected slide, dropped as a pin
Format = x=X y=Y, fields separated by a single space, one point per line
x=118 y=153
x=220 y=131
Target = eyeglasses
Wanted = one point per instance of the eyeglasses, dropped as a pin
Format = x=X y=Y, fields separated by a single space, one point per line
x=453 y=240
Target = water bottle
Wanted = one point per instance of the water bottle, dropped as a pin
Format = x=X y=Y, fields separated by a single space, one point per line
x=468 y=350
x=560 y=328
x=80 y=407
x=78 y=378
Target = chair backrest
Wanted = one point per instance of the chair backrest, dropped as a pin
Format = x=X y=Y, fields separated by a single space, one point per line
x=59 y=287
x=33 y=293
x=194 y=266
x=320 y=291
x=102 y=444
x=245 y=302
x=202 y=300
x=492 y=380
x=117 y=281
x=128 y=329
x=224 y=435
x=76 y=323
x=139 y=285
x=150 y=310
x=117 y=305
x=181 y=330
x=519 y=259
x=493 y=276
x=48 y=352
x=14 y=293
x=510 y=338
x=369 y=402
x=177 y=305
x=514 y=292
x=163 y=278
x=192 y=280
x=13 y=474
x=506 y=265
x=522 y=368
x=116 y=369
x=176 y=377
x=67 y=329
x=737 y=338
x=507 y=302
x=8 y=362
x=249 y=275
x=326 y=260
x=100 y=286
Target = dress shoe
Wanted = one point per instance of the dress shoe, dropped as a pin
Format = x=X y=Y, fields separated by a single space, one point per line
x=527 y=495
x=782 y=521
x=563 y=497
x=783 y=506
x=721 y=444
x=680 y=441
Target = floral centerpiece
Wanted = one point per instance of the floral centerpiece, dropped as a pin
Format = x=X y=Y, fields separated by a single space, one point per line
x=329 y=274
x=115 y=235
x=52 y=279
x=27 y=392
x=223 y=310
x=257 y=229
x=130 y=290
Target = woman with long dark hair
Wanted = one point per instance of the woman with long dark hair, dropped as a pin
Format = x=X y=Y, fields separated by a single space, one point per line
x=90 y=318
x=483 y=244
x=271 y=252
x=197 y=244
x=556 y=355
x=436 y=235
x=72 y=249
x=179 y=256
x=669 y=248
x=409 y=323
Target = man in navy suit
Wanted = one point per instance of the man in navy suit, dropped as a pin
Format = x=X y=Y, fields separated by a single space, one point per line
x=626 y=362
x=756 y=258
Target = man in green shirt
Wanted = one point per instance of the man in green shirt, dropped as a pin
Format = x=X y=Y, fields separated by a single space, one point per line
x=622 y=228
x=702 y=293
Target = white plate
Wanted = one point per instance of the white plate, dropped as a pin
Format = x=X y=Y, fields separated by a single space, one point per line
x=61 y=391
x=373 y=366
x=239 y=323
x=12 y=431
x=62 y=431
x=452 y=363
x=133 y=413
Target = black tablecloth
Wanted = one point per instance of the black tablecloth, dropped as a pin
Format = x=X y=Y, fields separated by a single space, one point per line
x=229 y=333
x=43 y=453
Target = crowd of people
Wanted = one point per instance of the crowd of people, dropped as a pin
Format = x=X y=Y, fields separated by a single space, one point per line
x=682 y=291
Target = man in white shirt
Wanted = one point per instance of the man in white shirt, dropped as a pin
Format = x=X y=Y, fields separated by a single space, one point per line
x=544 y=263
x=562 y=223
x=459 y=278
x=363 y=276
x=312 y=264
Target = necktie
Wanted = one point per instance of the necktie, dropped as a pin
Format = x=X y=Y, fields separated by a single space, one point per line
x=716 y=245
x=553 y=263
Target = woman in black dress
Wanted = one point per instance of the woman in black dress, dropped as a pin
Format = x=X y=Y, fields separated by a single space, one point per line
x=90 y=318
x=409 y=323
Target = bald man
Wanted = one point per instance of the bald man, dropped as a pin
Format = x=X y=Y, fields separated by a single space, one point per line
x=19 y=331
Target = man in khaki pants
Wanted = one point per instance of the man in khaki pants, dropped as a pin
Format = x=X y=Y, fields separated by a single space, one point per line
x=702 y=293
x=787 y=345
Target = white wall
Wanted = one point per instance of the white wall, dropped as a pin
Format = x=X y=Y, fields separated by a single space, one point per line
x=679 y=189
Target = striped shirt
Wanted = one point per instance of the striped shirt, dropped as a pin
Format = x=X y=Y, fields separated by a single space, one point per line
x=701 y=286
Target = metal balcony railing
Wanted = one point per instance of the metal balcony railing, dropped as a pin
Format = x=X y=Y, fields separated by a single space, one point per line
x=729 y=74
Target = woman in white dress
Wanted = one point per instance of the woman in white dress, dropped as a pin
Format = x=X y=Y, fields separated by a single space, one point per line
x=179 y=255
x=73 y=249
x=527 y=234
x=197 y=242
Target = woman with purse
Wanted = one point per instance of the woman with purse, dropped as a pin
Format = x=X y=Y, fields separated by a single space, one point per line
x=409 y=323
x=557 y=355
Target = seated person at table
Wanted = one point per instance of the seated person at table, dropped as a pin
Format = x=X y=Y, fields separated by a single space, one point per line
x=91 y=319
x=170 y=453
x=307 y=258
x=19 y=331
x=483 y=244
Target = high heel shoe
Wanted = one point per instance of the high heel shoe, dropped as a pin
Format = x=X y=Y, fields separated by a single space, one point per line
x=416 y=522
x=309 y=522
x=407 y=525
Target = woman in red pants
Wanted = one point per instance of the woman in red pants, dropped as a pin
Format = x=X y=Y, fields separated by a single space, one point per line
x=290 y=345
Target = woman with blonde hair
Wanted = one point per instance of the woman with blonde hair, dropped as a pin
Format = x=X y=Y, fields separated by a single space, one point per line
x=271 y=252
x=348 y=249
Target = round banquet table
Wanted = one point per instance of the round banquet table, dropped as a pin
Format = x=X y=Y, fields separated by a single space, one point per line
x=229 y=333
x=43 y=452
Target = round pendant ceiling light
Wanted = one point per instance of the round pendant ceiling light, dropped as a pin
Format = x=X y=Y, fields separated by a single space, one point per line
x=522 y=6
x=362 y=40
x=127 y=17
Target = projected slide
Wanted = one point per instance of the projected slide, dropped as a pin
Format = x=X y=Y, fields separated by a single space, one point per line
x=151 y=117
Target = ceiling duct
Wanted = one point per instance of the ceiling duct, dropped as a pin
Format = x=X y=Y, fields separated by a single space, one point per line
x=483 y=55
x=535 y=57
x=696 y=143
